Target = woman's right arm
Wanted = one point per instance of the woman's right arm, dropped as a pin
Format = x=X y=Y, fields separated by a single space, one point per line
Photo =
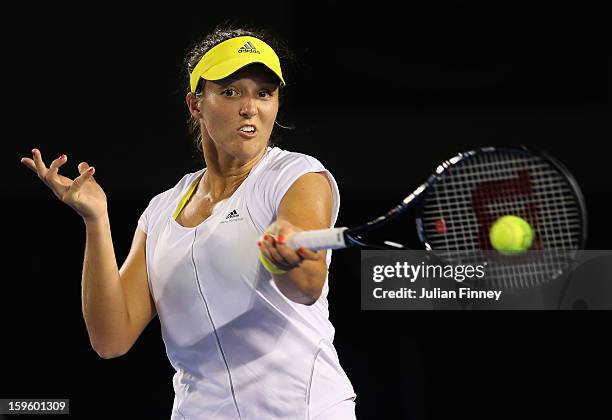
x=117 y=304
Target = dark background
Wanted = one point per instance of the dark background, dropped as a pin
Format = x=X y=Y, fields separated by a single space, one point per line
x=382 y=94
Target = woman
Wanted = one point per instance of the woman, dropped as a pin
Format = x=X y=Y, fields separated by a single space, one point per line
x=244 y=317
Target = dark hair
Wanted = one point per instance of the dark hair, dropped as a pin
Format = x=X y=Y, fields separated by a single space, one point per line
x=223 y=33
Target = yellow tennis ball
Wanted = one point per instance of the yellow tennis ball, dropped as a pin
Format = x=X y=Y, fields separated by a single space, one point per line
x=511 y=235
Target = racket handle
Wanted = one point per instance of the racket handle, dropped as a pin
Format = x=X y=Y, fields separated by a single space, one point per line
x=318 y=239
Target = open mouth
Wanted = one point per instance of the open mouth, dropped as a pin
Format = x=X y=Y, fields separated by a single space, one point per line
x=247 y=131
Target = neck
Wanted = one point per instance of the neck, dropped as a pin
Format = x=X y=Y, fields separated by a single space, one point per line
x=224 y=173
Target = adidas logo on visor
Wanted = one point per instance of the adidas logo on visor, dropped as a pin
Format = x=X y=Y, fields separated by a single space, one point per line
x=248 y=48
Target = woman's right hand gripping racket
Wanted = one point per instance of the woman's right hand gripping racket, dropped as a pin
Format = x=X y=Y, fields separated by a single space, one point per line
x=457 y=206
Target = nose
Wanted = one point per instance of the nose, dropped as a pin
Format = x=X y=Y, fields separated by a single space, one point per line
x=248 y=108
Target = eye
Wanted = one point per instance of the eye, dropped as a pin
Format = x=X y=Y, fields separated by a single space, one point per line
x=265 y=93
x=229 y=92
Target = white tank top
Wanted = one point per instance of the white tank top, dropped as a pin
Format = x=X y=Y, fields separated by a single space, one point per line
x=240 y=348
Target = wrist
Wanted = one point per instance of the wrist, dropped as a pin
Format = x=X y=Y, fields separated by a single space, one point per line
x=96 y=221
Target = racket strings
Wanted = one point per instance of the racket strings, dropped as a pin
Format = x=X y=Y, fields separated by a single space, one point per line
x=524 y=272
x=470 y=196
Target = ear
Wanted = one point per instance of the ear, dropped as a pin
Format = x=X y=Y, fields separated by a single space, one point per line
x=193 y=104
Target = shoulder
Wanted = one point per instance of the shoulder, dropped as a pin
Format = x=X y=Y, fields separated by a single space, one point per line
x=279 y=159
x=276 y=173
x=311 y=190
x=281 y=168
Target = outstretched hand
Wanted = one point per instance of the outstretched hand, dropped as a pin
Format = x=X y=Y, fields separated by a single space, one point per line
x=83 y=193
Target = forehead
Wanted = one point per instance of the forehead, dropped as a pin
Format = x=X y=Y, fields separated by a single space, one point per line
x=256 y=72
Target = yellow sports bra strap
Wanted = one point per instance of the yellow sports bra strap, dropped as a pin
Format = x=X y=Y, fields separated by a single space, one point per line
x=186 y=197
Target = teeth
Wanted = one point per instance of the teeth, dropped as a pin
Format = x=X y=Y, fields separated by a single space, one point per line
x=248 y=128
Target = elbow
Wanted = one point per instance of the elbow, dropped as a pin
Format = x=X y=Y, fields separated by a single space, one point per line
x=109 y=354
x=304 y=296
x=313 y=292
x=302 y=290
x=311 y=301
x=106 y=352
x=310 y=296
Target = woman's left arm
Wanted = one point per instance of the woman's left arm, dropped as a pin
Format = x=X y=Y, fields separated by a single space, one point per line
x=307 y=205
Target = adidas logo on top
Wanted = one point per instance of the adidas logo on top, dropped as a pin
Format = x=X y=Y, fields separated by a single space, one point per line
x=232 y=214
x=248 y=48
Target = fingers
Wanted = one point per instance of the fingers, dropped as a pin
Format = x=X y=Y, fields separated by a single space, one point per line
x=270 y=248
x=303 y=253
x=308 y=254
x=284 y=232
x=48 y=176
x=29 y=163
x=283 y=256
x=86 y=173
x=83 y=166
x=55 y=165
x=37 y=165
x=41 y=169
x=280 y=251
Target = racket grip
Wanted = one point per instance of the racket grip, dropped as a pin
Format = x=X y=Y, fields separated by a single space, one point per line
x=318 y=239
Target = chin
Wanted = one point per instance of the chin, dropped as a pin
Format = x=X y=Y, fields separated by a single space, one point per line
x=245 y=150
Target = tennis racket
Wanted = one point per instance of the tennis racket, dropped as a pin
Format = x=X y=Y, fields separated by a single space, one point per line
x=457 y=205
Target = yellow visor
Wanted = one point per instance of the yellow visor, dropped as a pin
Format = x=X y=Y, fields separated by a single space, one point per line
x=232 y=55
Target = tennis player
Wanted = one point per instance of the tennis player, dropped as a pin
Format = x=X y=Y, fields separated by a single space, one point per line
x=244 y=317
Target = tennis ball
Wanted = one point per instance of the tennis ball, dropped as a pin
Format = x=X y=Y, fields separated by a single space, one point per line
x=511 y=235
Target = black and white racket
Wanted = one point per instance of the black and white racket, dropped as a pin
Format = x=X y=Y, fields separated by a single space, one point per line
x=467 y=193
